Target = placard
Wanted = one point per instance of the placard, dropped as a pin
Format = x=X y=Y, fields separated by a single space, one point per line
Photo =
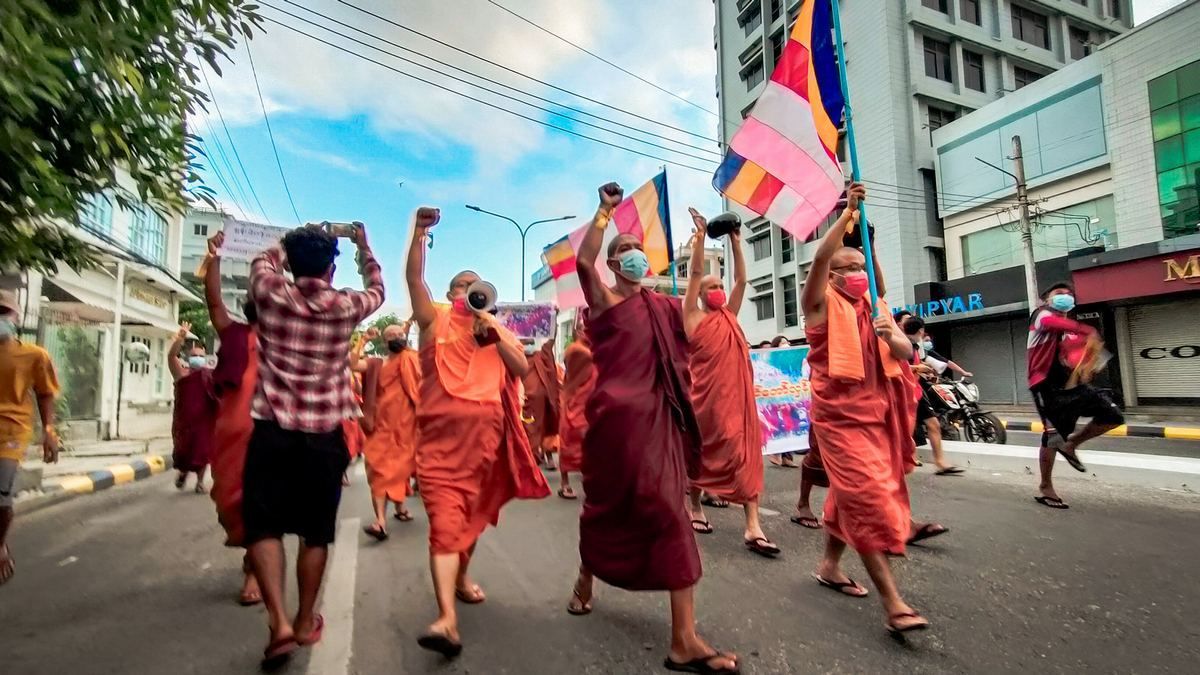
x=783 y=395
x=244 y=241
x=527 y=319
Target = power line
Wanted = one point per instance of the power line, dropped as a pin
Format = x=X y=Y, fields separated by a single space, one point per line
x=520 y=74
x=499 y=93
x=271 y=135
x=229 y=193
x=233 y=177
x=490 y=105
x=604 y=60
x=233 y=146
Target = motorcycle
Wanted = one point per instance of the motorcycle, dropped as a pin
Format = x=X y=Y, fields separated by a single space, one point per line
x=956 y=403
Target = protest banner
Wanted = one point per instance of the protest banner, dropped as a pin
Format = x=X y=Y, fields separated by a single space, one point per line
x=244 y=241
x=782 y=392
x=527 y=319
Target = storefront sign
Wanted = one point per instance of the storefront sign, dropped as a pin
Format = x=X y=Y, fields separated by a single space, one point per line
x=145 y=298
x=1187 y=271
x=1179 y=352
x=952 y=305
x=1158 y=274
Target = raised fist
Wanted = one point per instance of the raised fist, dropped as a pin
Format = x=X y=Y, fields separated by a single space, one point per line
x=428 y=216
x=700 y=222
x=611 y=194
x=215 y=243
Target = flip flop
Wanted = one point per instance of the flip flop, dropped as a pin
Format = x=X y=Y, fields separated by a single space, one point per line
x=949 y=471
x=715 y=502
x=585 y=608
x=1052 y=502
x=897 y=631
x=436 y=642
x=9 y=568
x=476 y=598
x=375 y=532
x=403 y=516
x=810 y=522
x=841 y=586
x=705 y=527
x=701 y=666
x=314 y=636
x=762 y=546
x=278 y=651
x=567 y=495
x=179 y=482
x=249 y=601
x=927 y=531
x=1073 y=460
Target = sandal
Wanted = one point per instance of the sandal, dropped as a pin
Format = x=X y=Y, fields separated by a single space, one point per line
x=811 y=522
x=762 y=546
x=583 y=608
x=715 y=502
x=180 y=480
x=897 y=631
x=200 y=489
x=567 y=495
x=436 y=642
x=278 y=651
x=949 y=471
x=927 y=531
x=376 y=532
x=701 y=665
x=403 y=516
x=314 y=635
x=475 y=596
x=249 y=599
x=842 y=586
x=1052 y=502
x=702 y=526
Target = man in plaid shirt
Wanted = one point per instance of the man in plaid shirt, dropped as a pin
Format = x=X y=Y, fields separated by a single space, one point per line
x=297 y=453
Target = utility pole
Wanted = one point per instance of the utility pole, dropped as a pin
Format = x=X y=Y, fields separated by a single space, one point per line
x=1031 y=284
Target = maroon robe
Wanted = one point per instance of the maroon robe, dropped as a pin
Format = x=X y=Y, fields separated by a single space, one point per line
x=641 y=446
x=193 y=419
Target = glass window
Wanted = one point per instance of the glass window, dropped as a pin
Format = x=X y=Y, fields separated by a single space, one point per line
x=1189 y=80
x=777 y=42
x=1030 y=26
x=973 y=71
x=1163 y=90
x=761 y=246
x=1165 y=122
x=787 y=247
x=1175 y=128
x=1189 y=113
x=764 y=307
x=148 y=234
x=939 y=118
x=1022 y=76
x=968 y=10
x=96 y=214
x=1168 y=153
x=200 y=230
x=1114 y=8
x=1081 y=43
x=937 y=59
x=791 y=314
x=776 y=9
x=753 y=21
x=1191 y=146
x=754 y=75
x=939 y=5
x=1170 y=183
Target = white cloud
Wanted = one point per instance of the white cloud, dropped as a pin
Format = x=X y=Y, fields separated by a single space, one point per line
x=328 y=158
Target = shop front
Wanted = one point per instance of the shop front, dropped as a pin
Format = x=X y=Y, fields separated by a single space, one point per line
x=1153 y=292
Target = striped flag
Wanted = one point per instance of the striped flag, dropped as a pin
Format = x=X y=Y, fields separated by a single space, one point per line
x=644 y=214
x=782 y=163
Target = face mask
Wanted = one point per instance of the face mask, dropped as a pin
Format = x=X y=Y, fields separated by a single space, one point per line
x=460 y=306
x=1062 y=303
x=7 y=329
x=715 y=299
x=529 y=350
x=927 y=344
x=634 y=264
x=396 y=345
x=197 y=362
x=855 y=284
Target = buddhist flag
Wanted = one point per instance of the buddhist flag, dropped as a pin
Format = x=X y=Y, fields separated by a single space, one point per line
x=782 y=163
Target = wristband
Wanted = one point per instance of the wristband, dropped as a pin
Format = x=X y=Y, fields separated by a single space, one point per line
x=600 y=222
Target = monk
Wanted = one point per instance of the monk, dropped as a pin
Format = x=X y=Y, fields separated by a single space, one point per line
x=642 y=444
x=195 y=409
x=579 y=382
x=731 y=467
x=473 y=455
x=861 y=407
x=391 y=390
x=542 y=394
x=233 y=383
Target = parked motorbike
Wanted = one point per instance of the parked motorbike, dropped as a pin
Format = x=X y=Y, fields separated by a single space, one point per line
x=957 y=408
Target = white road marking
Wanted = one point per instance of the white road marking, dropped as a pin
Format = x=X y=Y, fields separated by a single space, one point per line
x=767 y=512
x=67 y=561
x=1126 y=460
x=331 y=656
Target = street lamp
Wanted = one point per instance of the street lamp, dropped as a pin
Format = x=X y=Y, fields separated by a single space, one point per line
x=524 y=231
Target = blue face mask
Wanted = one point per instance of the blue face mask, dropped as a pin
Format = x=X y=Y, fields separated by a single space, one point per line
x=7 y=329
x=197 y=362
x=927 y=345
x=1062 y=303
x=634 y=264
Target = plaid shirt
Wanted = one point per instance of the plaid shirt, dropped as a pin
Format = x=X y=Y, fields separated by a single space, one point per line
x=304 y=329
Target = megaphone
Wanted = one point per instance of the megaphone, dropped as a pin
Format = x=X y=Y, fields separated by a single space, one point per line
x=481 y=297
x=724 y=224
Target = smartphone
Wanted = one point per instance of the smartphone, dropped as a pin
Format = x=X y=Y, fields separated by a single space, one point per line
x=342 y=230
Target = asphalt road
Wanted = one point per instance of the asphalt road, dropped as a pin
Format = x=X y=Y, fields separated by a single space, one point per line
x=134 y=580
x=1150 y=446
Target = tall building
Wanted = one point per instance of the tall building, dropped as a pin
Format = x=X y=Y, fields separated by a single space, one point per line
x=913 y=66
x=198 y=225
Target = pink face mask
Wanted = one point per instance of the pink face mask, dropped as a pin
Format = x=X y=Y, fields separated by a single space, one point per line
x=715 y=299
x=460 y=306
x=855 y=284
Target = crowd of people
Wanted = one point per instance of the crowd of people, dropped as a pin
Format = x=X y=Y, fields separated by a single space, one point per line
x=654 y=413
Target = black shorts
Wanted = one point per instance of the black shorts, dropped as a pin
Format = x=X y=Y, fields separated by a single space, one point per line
x=924 y=410
x=1060 y=410
x=293 y=483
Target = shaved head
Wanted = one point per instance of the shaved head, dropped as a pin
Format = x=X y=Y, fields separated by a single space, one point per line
x=847 y=256
x=393 y=331
x=623 y=243
x=459 y=284
x=709 y=282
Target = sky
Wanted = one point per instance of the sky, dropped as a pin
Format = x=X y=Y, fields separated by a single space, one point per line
x=359 y=141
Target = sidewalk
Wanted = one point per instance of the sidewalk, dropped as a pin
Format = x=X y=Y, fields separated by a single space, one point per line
x=1020 y=421
x=89 y=467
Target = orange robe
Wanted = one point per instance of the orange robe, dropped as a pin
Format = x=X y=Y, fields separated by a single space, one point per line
x=473 y=455
x=577 y=388
x=542 y=397
x=391 y=446
x=234 y=380
x=862 y=412
x=731 y=460
x=351 y=430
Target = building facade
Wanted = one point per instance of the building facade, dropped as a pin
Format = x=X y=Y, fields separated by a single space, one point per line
x=1111 y=147
x=913 y=66
x=198 y=225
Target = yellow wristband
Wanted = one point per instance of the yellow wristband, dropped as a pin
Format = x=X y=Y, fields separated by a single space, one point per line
x=601 y=220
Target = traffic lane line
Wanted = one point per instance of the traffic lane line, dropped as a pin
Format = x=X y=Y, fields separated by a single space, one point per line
x=331 y=656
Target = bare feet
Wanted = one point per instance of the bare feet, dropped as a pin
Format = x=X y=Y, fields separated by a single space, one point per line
x=468 y=591
x=251 y=595
x=8 y=566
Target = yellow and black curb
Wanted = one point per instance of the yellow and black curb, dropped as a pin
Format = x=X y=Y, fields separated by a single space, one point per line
x=57 y=490
x=1132 y=430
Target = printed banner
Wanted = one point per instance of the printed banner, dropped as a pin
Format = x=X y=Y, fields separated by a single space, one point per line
x=244 y=241
x=527 y=319
x=782 y=392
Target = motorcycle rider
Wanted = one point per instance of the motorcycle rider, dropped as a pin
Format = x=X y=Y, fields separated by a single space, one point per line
x=927 y=369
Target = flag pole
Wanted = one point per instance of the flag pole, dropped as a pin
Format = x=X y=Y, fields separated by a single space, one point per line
x=853 y=150
x=670 y=240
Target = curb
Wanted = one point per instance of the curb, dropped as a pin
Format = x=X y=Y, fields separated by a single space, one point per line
x=58 y=490
x=1132 y=430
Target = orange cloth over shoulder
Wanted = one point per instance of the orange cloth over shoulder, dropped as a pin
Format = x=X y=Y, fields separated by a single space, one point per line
x=234 y=381
x=391 y=446
x=578 y=384
x=731 y=458
x=472 y=453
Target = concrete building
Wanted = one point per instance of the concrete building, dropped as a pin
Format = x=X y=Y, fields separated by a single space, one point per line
x=129 y=304
x=198 y=225
x=1112 y=160
x=913 y=66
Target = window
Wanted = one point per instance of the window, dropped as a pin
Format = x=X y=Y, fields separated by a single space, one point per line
x=1029 y=26
x=1114 y=8
x=1022 y=77
x=754 y=74
x=1175 y=130
x=937 y=59
x=938 y=5
x=787 y=247
x=973 y=71
x=764 y=307
x=200 y=229
x=791 y=315
x=939 y=118
x=999 y=247
x=96 y=214
x=841 y=146
x=1081 y=43
x=968 y=10
x=159 y=357
x=148 y=234
x=761 y=246
x=753 y=21
x=777 y=41
x=776 y=9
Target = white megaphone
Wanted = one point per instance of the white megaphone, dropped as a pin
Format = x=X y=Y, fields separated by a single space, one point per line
x=481 y=297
